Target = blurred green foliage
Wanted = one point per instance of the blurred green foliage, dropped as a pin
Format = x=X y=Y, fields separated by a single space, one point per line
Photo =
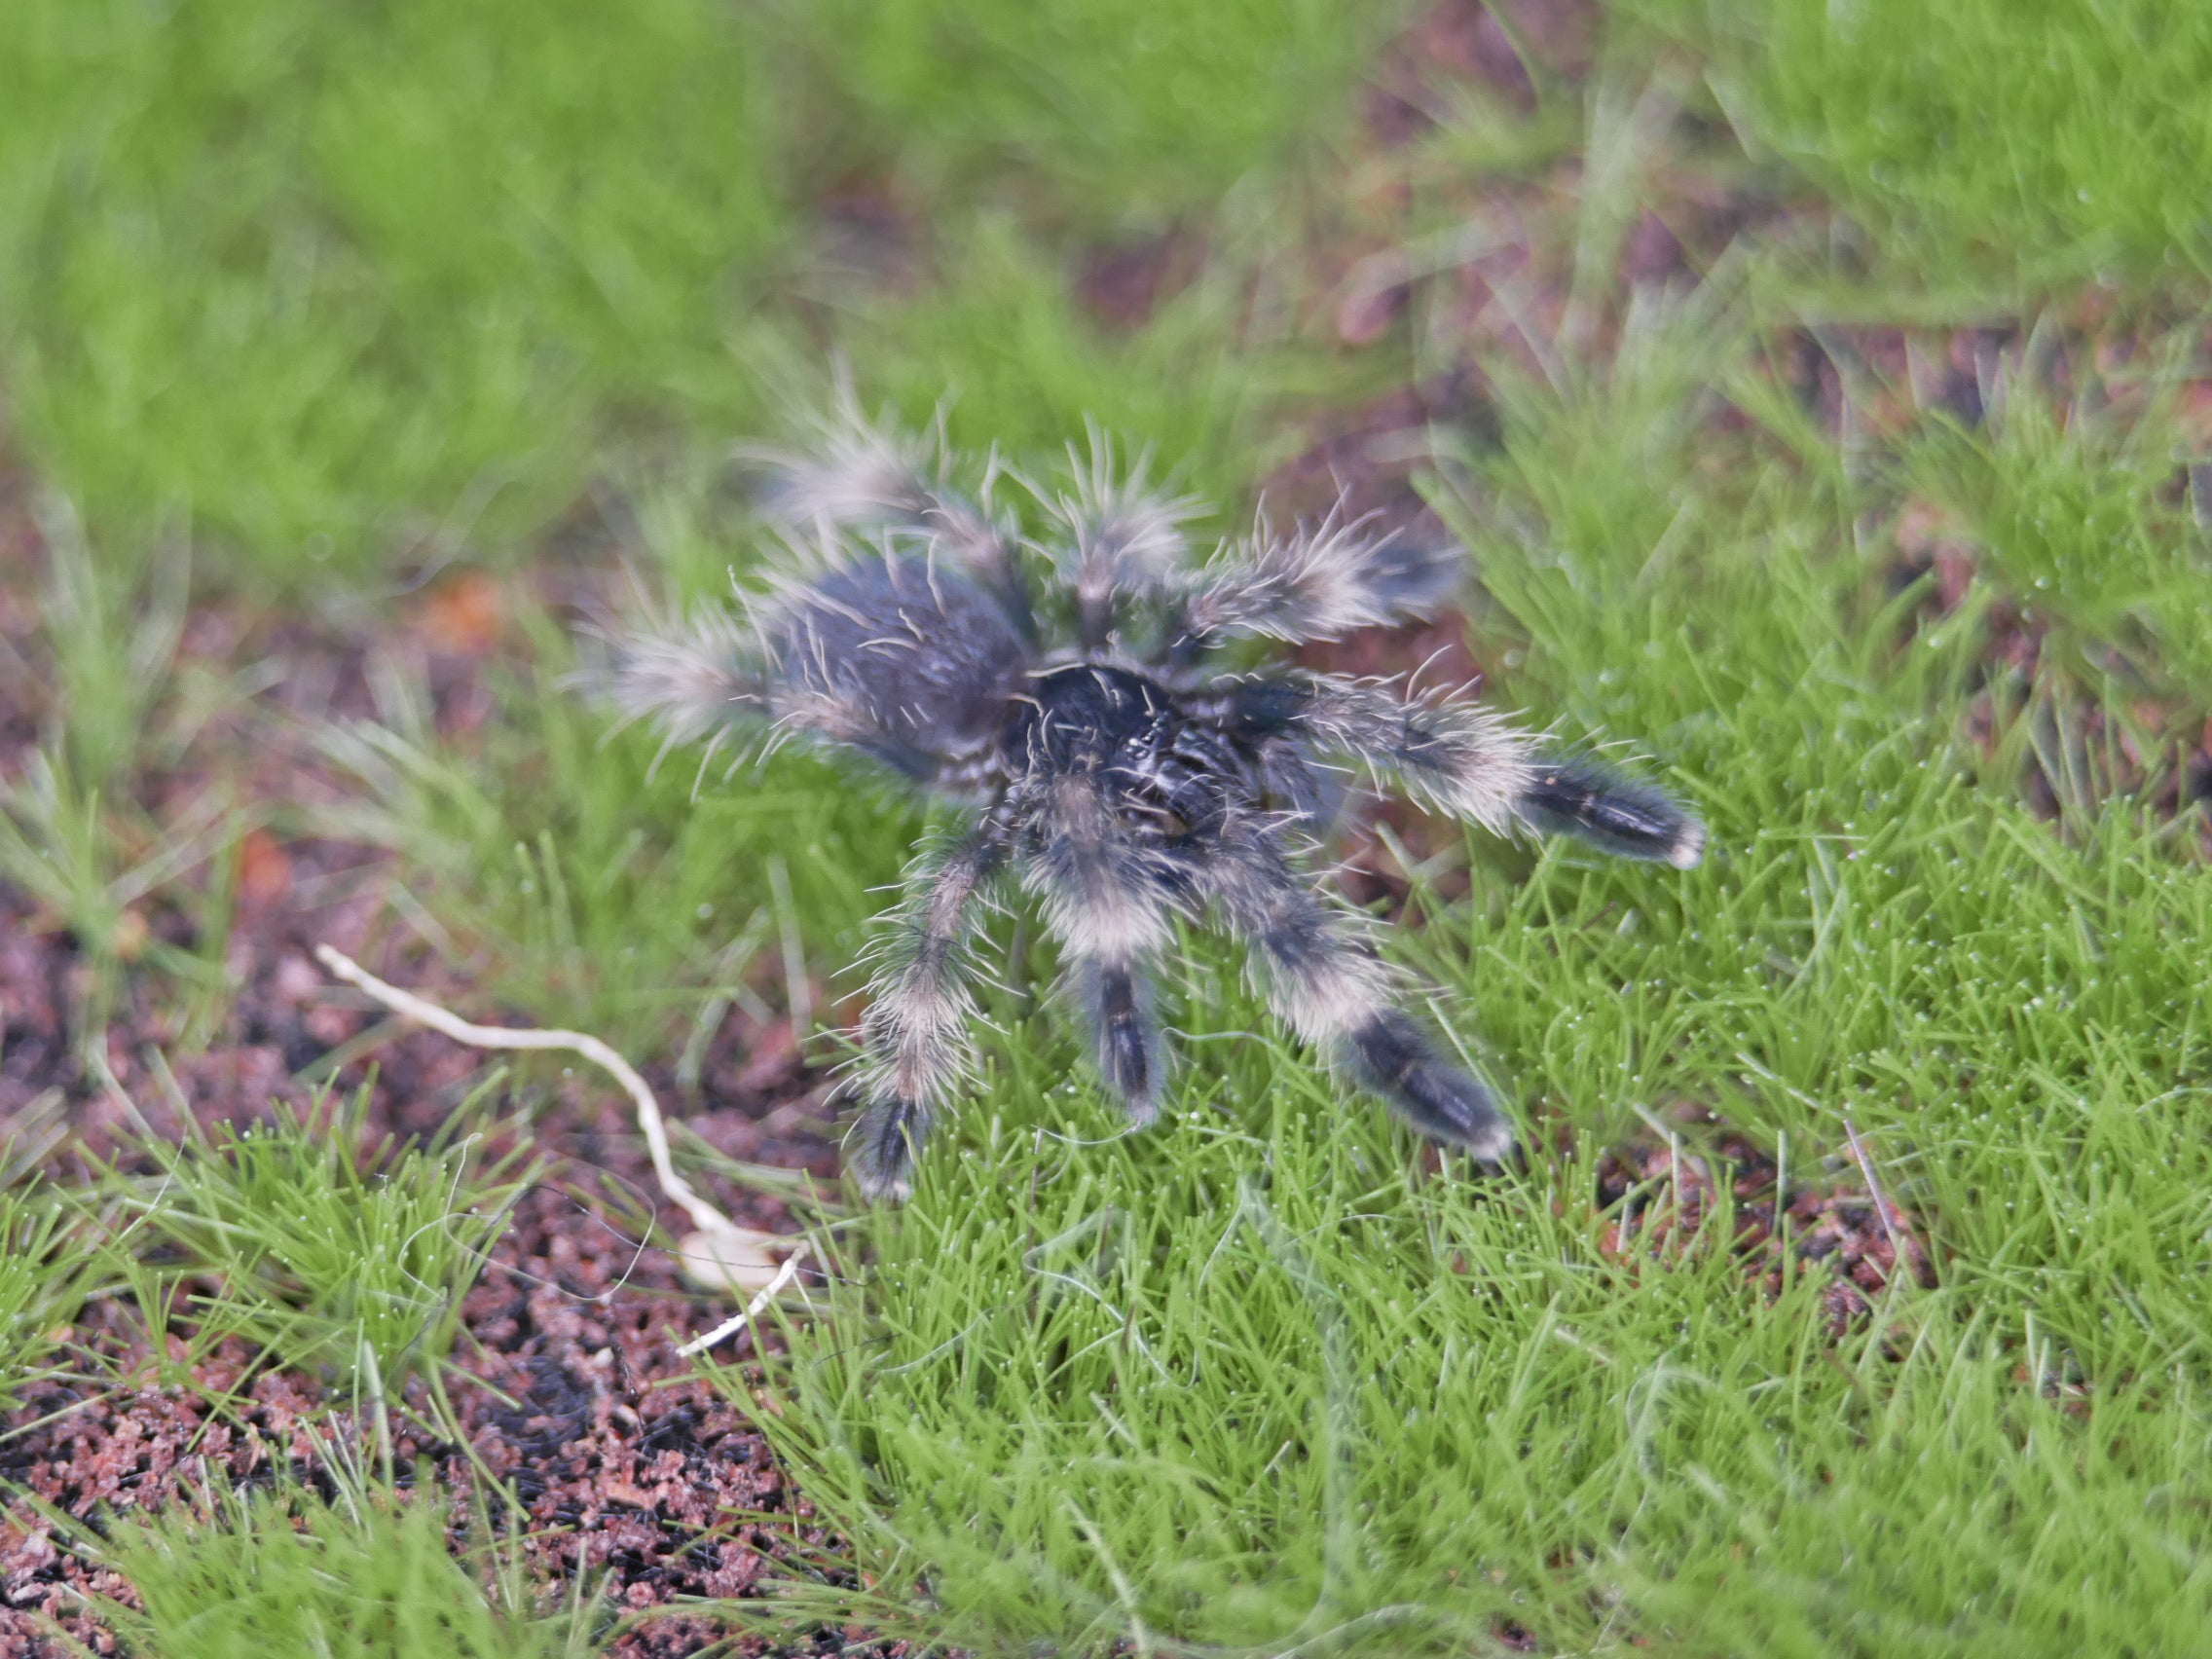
x=349 y=284
x=2032 y=140
x=1002 y=344
x=1105 y=113
x=338 y=279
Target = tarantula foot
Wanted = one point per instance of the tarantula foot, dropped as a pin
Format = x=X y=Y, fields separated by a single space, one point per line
x=1438 y=1098
x=880 y=1152
x=1634 y=821
x=1136 y=1091
x=1128 y=1045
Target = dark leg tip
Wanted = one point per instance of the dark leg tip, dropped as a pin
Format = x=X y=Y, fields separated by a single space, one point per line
x=1572 y=796
x=1127 y=1070
x=880 y=1150
x=1128 y=1049
x=1439 y=1099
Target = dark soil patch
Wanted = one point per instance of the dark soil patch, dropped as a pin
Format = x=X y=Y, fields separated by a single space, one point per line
x=574 y=1420
x=1662 y=1199
x=609 y=1451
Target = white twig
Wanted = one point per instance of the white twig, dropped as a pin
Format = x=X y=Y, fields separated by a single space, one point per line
x=709 y=1220
x=752 y=1309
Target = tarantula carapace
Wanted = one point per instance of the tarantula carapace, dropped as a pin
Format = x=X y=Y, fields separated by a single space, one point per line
x=1059 y=688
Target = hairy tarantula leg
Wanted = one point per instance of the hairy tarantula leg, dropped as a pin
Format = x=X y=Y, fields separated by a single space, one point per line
x=1128 y=537
x=1106 y=902
x=1319 y=582
x=1463 y=759
x=1334 y=992
x=859 y=475
x=916 y=1027
x=1117 y=1000
x=707 y=677
x=692 y=676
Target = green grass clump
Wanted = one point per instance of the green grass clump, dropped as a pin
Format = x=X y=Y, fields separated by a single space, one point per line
x=341 y=282
x=1253 y=1378
x=604 y=890
x=1106 y=110
x=41 y=1282
x=2036 y=139
x=343 y=287
x=321 y=1250
x=366 y=1576
x=113 y=711
x=2078 y=524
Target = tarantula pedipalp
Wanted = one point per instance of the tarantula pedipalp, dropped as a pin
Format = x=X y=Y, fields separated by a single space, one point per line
x=1108 y=771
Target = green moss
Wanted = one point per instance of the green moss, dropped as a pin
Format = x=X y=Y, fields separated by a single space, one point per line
x=2033 y=140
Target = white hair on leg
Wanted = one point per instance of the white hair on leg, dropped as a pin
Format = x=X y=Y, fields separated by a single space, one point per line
x=691 y=677
x=1458 y=758
x=1320 y=581
x=916 y=1046
x=1107 y=900
x=1330 y=987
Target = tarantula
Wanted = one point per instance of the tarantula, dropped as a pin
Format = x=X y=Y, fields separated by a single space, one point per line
x=1108 y=770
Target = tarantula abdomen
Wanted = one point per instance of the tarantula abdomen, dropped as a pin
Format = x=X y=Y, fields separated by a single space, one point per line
x=1124 y=783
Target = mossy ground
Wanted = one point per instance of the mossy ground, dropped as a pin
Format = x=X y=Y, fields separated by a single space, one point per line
x=1822 y=395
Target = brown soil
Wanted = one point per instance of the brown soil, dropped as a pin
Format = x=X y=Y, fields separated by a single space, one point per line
x=1661 y=1201
x=622 y=1462
x=608 y=1454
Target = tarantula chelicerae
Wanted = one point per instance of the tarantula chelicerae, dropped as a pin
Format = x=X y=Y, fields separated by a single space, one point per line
x=1110 y=771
